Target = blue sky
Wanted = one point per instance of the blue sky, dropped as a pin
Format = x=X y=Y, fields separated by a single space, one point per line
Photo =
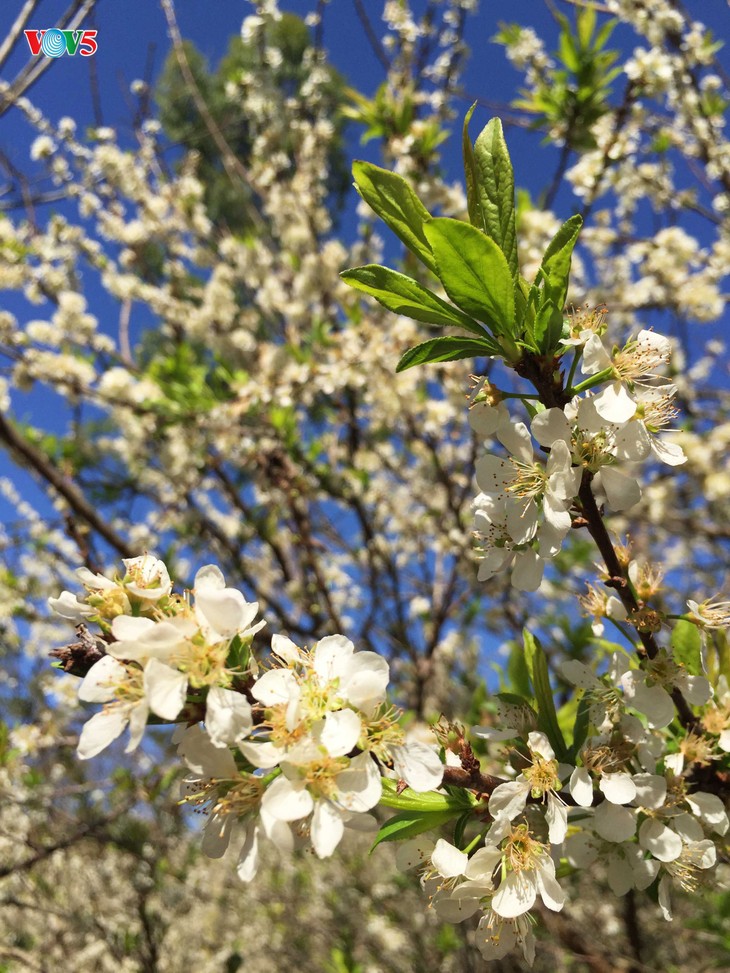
x=131 y=32
x=129 y=28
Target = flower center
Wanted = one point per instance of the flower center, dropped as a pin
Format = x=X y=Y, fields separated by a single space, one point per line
x=543 y=776
x=529 y=481
x=220 y=796
x=382 y=732
x=128 y=689
x=521 y=851
x=663 y=670
x=657 y=412
x=697 y=749
x=716 y=720
x=320 y=776
x=639 y=358
x=607 y=759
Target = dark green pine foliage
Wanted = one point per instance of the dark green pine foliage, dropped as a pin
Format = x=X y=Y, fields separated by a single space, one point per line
x=229 y=203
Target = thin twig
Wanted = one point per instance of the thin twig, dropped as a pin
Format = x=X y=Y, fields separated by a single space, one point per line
x=17 y=27
x=372 y=37
x=40 y=463
x=125 y=349
x=33 y=70
x=231 y=163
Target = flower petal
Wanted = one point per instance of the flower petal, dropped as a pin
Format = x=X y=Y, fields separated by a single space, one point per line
x=248 y=859
x=448 y=860
x=100 y=682
x=419 y=765
x=617 y=788
x=228 y=716
x=614 y=822
x=509 y=799
x=341 y=732
x=98 y=732
x=327 y=828
x=287 y=800
x=516 y=895
x=581 y=786
x=663 y=843
x=166 y=689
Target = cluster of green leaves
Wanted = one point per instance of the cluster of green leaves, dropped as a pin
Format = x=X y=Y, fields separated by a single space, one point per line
x=572 y=96
x=389 y=114
x=476 y=263
x=567 y=727
x=421 y=812
x=192 y=380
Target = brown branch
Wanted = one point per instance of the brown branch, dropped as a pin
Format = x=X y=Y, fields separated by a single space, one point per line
x=125 y=348
x=372 y=37
x=88 y=831
x=621 y=114
x=633 y=929
x=568 y=933
x=38 y=461
x=229 y=546
x=472 y=780
x=231 y=163
x=33 y=70
x=618 y=581
x=94 y=83
x=251 y=517
x=16 y=29
x=545 y=375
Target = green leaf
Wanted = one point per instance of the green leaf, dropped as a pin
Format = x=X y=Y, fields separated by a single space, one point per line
x=547 y=717
x=239 y=653
x=518 y=678
x=686 y=643
x=460 y=828
x=397 y=205
x=496 y=190
x=408 y=824
x=448 y=348
x=604 y=34
x=555 y=267
x=548 y=327
x=586 y=24
x=406 y=296
x=580 y=728
x=417 y=801
x=516 y=699
x=527 y=301
x=569 y=53
x=474 y=273
x=471 y=175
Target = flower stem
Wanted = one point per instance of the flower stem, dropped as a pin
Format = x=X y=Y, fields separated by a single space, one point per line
x=618 y=580
x=598 y=379
x=576 y=358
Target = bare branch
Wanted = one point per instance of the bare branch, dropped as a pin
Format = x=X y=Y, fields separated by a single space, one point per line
x=235 y=169
x=40 y=464
x=39 y=65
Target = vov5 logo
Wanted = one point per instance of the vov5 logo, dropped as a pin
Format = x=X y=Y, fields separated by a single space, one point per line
x=55 y=42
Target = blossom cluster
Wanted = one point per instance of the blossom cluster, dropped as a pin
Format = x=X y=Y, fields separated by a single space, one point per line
x=526 y=506
x=304 y=741
x=258 y=305
x=294 y=752
x=622 y=801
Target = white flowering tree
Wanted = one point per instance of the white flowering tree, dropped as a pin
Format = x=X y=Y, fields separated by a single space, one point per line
x=341 y=530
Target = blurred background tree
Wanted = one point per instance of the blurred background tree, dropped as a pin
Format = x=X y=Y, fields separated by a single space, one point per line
x=286 y=44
